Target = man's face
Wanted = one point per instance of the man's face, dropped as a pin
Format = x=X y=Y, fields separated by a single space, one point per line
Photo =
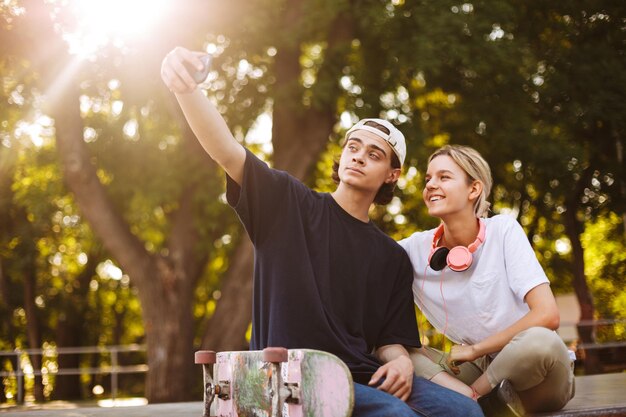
x=366 y=162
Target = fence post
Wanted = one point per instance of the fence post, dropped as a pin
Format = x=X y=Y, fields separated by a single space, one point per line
x=113 y=374
x=20 y=378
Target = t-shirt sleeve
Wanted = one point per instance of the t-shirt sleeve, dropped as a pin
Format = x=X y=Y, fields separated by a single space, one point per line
x=400 y=322
x=405 y=243
x=263 y=195
x=523 y=269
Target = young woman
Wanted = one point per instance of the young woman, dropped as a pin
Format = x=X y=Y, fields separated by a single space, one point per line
x=477 y=280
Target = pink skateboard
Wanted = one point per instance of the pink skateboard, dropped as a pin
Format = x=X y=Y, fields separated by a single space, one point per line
x=275 y=382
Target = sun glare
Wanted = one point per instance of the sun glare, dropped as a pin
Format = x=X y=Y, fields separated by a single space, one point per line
x=100 y=23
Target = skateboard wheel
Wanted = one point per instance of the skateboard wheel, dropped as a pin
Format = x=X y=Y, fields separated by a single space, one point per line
x=205 y=357
x=275 y=354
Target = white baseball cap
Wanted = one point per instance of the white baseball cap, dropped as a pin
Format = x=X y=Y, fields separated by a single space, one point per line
x=395 y=138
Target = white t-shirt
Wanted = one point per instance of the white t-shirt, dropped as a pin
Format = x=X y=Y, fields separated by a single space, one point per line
x=486 y=298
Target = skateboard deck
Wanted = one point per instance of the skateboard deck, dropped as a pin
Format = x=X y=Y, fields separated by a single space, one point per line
x=276 y=382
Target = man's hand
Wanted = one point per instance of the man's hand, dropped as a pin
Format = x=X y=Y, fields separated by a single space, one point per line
x=398 y=375
x=175 y=74
x=460 y=354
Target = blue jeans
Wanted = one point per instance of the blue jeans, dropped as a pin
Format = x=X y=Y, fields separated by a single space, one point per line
x=427 y=400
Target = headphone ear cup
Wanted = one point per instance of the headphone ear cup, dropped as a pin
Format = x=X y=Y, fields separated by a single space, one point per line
x=459 y=258
x=438 y=260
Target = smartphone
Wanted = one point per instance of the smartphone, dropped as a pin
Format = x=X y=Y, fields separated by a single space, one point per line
x=199 y=76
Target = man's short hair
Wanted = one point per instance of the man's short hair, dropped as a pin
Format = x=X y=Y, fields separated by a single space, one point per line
x=390 y=134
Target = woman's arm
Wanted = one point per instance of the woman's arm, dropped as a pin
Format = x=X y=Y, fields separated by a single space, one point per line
x=543 y=313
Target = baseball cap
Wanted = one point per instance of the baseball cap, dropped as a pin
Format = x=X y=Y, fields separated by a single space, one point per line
x=395 y=138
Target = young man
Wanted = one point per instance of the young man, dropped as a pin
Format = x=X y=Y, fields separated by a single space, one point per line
x=325 y=276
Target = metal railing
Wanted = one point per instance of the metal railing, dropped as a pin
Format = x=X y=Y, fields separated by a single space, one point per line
x=597 y=323
x=114 y=369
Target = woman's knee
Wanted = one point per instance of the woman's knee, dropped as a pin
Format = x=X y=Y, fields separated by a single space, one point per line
x=535 y=345
x=423 y=365
x=540 y=342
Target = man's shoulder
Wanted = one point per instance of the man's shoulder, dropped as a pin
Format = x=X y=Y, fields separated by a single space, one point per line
x=257 y=164
x=388 y=243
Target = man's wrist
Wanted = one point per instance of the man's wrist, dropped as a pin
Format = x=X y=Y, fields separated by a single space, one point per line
x=405 y=357
x=406 y=363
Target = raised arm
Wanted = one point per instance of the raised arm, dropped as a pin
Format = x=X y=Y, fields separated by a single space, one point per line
x=206 y=122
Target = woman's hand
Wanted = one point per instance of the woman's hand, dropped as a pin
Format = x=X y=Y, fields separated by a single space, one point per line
x=460 y=354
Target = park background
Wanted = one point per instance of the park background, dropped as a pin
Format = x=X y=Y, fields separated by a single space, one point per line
x=113 y=224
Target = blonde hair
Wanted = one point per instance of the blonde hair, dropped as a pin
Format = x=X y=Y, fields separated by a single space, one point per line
x=476 y=168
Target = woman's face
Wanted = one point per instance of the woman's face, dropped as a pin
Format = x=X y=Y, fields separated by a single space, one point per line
x=447 y=188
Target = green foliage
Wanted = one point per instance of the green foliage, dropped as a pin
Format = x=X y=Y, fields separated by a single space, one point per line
x=605 y=265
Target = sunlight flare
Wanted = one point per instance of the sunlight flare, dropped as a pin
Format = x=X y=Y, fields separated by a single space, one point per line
x=100 y=23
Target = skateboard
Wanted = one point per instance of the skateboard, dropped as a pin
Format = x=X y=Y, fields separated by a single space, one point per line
x=275 y=382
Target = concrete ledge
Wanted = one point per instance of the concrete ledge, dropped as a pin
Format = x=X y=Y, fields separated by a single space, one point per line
x=190 y=409
x=596 y=396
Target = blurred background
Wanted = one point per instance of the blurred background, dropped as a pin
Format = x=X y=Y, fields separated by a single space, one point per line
x=118 y=254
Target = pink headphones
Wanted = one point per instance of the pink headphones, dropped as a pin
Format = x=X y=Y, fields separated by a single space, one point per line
x=459 y=258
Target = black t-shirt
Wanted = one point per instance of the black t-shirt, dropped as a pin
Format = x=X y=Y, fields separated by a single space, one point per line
x=322 y=278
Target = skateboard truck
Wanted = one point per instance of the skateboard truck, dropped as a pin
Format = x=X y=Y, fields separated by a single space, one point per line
x=206 y=358
x=275 y=356
x=221 y=389
x=289 y=392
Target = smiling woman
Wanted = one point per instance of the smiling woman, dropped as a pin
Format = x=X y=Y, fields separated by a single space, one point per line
x=100 y=23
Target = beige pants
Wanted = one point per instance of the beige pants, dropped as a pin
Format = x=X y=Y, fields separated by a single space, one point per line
x=536 y=362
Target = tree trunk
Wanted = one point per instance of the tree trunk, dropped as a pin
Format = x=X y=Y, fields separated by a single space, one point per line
x=169 y=335
x=5 y=326
x=4 y=289
x=33 y=329
x=619 y=150
x=71 y=331
x=7 y=221
x=586 y=332
x=68 y=334
x=227 y=327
